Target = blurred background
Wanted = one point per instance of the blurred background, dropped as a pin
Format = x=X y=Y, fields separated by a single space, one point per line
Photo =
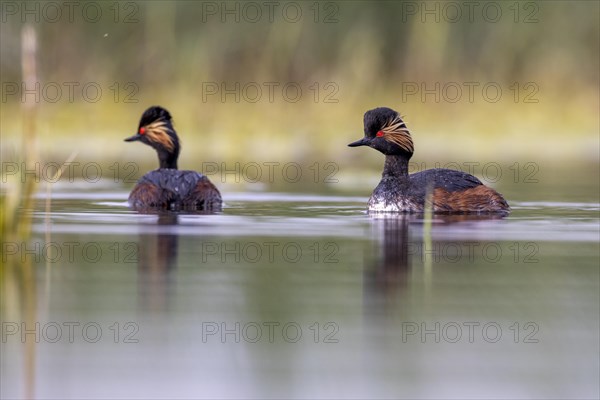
x=290 y=81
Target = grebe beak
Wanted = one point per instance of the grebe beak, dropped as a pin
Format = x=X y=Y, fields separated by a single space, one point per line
x=133 y=138
x=362 y=142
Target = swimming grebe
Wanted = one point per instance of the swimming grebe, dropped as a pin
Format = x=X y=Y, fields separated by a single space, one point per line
x=451 y=191
x=168 y=188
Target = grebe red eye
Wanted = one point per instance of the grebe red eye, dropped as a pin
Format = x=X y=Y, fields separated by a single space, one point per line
x=142 y=131
x=379 y=134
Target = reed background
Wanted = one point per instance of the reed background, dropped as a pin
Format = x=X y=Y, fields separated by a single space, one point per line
x=543 y=55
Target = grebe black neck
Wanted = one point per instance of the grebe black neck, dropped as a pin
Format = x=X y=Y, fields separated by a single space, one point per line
x=395 y=167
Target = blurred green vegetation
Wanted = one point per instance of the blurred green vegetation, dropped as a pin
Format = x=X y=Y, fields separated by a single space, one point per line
x=360 y=54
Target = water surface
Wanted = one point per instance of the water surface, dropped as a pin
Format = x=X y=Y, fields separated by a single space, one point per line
x=301 y=296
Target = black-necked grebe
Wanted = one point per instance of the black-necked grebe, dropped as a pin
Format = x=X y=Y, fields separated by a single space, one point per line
x=450 y=191
x=168 y=188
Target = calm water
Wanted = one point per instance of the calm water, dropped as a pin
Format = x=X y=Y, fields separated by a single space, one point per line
x=300 y=296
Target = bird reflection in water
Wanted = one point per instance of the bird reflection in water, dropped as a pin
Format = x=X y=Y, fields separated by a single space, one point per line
x=157 y=258
x=389 y=271
x=399 y=238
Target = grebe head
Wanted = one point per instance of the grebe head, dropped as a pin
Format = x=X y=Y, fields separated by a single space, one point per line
x=386 y=132
x=156 y=129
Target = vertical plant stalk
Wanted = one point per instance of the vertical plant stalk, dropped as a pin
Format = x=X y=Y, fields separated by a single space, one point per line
x=427 y=245
x=30 y=157
x=29 y=113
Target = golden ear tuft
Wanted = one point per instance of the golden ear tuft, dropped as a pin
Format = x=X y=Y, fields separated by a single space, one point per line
x=158 y=132
x=396 y=132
